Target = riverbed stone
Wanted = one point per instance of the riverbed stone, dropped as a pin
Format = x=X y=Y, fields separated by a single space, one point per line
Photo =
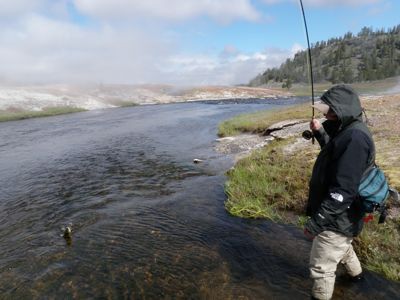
x=281 y=125
x=290 y=131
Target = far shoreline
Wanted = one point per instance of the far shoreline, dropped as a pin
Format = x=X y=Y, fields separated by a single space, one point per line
x=6 y=116
x=63 y=99
x=24 y=102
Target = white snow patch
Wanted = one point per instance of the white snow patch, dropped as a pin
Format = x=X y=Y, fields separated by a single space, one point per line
x=33 y=100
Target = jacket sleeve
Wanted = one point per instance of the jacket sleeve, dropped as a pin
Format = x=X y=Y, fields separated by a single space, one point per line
x=321 y=136
x=350 y=159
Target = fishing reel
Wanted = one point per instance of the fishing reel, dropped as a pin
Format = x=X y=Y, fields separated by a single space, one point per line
x=307 y=134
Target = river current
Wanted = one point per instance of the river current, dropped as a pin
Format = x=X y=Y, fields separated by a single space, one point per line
x=147 y=223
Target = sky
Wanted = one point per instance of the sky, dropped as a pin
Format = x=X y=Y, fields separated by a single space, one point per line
x=180 y=42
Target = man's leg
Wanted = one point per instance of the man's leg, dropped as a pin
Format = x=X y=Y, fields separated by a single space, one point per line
x=351 y=263
x=328 y=249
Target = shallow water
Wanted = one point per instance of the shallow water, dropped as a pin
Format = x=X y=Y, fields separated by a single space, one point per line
x=147 y=223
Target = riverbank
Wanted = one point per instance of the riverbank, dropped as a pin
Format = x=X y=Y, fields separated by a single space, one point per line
x=272 y=182
x=13 y=115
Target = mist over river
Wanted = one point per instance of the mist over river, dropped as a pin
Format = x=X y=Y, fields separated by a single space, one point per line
x=147 y=223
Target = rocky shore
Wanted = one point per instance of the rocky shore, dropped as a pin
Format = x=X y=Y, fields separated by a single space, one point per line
x=242 y=145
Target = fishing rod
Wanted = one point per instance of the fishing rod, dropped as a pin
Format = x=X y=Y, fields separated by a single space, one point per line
x=309 y=56
x=310 y=70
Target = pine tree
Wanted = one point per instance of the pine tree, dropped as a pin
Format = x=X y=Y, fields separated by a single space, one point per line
x=368 y=55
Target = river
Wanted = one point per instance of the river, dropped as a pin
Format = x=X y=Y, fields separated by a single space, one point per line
x=147 y=223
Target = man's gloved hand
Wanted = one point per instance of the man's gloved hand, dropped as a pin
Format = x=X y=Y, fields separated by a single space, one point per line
x=311 y=229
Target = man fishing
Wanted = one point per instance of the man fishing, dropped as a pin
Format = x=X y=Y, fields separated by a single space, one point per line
x=334 y=204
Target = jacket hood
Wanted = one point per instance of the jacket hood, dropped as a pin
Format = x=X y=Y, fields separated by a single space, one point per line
x=344 y=101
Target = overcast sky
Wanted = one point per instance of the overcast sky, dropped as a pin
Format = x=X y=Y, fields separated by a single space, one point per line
x=185 y=42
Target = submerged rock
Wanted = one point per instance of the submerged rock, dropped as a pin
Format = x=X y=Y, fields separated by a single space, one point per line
x=67 y=234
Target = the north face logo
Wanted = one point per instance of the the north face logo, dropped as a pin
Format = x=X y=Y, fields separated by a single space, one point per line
x=337 y=197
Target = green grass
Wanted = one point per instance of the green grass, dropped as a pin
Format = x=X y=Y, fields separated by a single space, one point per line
x=273 y=184
x=127 y=104
x=259 y=121
x=302 y=90
x=268 y=182
x=50 y=111
x=378 y=246
x=123 y=103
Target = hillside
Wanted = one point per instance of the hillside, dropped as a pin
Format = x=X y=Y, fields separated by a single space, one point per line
x=368 y=55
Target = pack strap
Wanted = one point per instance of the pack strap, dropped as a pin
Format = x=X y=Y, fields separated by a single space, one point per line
x=383 y=209
x=372 y=175
x=394 y=194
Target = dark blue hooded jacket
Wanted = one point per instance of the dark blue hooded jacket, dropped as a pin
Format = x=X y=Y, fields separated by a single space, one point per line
x=347 y=149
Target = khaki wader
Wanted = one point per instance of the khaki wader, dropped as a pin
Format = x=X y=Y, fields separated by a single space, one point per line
x=328 y=249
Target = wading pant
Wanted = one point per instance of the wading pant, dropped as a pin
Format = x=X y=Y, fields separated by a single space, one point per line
x=328 y=249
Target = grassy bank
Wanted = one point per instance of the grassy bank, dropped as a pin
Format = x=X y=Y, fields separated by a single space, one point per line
x=259 y=121
x=269 y=183
x=50 y=111
x=273 y=182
